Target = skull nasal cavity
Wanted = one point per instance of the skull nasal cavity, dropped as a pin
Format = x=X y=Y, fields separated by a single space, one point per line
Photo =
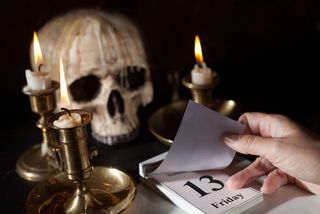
x=115 y=103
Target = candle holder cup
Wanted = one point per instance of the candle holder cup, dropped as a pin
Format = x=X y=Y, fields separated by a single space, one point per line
x=201 y=94
x=80 y=188
x=39 y=162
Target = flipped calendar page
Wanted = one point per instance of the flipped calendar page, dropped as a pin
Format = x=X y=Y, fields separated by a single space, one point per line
x=199 y=144
x=190 y=175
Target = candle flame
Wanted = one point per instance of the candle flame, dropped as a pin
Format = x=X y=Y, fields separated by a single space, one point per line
x=197 y=50
x=64 y=96
x=37 y=52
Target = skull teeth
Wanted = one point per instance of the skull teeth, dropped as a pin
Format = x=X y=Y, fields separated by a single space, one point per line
x=117 y=139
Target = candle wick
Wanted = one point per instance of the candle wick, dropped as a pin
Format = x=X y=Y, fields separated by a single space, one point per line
x=200 y=65
x=67 y=110
x=40 y=66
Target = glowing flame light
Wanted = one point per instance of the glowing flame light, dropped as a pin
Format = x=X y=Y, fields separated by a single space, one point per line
x=37 y=52
x=64 y=96
x=197 y=50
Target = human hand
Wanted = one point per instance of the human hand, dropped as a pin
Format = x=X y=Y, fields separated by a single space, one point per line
x=287 y=153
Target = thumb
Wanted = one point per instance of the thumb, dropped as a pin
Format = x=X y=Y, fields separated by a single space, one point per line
x=250 y=144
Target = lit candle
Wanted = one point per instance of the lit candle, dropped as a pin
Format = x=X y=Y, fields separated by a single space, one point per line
x=68 y=120
x=200 y=74
x=37 y=80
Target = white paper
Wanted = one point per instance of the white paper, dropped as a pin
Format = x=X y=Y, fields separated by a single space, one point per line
x=199 y=143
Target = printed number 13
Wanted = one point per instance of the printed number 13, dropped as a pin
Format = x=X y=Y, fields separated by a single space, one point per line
x=202 y=192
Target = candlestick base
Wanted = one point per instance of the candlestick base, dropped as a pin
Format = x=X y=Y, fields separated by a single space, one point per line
x=33 y=166
x=164 y=122
x=108 y=191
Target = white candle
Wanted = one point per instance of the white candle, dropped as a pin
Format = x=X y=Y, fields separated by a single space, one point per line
x=68 y=121
x=37 y=80
x=200 y=74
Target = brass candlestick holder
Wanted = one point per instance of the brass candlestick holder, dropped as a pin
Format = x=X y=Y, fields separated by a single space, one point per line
x=164 y=123
x=74 y=154
x=39 y=162
x=202 y=94
x=80 y=188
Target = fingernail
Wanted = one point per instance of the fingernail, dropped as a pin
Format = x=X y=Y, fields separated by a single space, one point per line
x=263 y=190
x=227 y=183
x=231 y=138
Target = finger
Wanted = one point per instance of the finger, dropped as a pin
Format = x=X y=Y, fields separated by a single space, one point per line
x=251 y=144
x=251 y=120
x=259 y=167
x=310 y=187
x=274 y=181
x=267 y=125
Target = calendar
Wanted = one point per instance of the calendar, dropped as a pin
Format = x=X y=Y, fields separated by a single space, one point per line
x=200 y=191
x=191 y=173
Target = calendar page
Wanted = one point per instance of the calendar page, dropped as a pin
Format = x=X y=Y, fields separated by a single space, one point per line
x=207 y=192
x=198 y=144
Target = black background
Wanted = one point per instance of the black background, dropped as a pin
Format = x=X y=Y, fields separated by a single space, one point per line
x=266 y=52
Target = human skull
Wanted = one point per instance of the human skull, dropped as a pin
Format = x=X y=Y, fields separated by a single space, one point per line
x=106 y=68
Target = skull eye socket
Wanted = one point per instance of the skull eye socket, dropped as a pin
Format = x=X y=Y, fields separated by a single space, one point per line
x=85 y=88
x=132 y=77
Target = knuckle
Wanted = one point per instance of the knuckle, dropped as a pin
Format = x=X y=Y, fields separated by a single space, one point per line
x=242 y=118
x=247 y=141
x=275 y=150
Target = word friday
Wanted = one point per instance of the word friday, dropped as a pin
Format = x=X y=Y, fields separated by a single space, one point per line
x=227 y=200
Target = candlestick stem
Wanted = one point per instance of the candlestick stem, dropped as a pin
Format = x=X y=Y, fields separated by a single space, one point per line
x=47 y=138
x=81 y=200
